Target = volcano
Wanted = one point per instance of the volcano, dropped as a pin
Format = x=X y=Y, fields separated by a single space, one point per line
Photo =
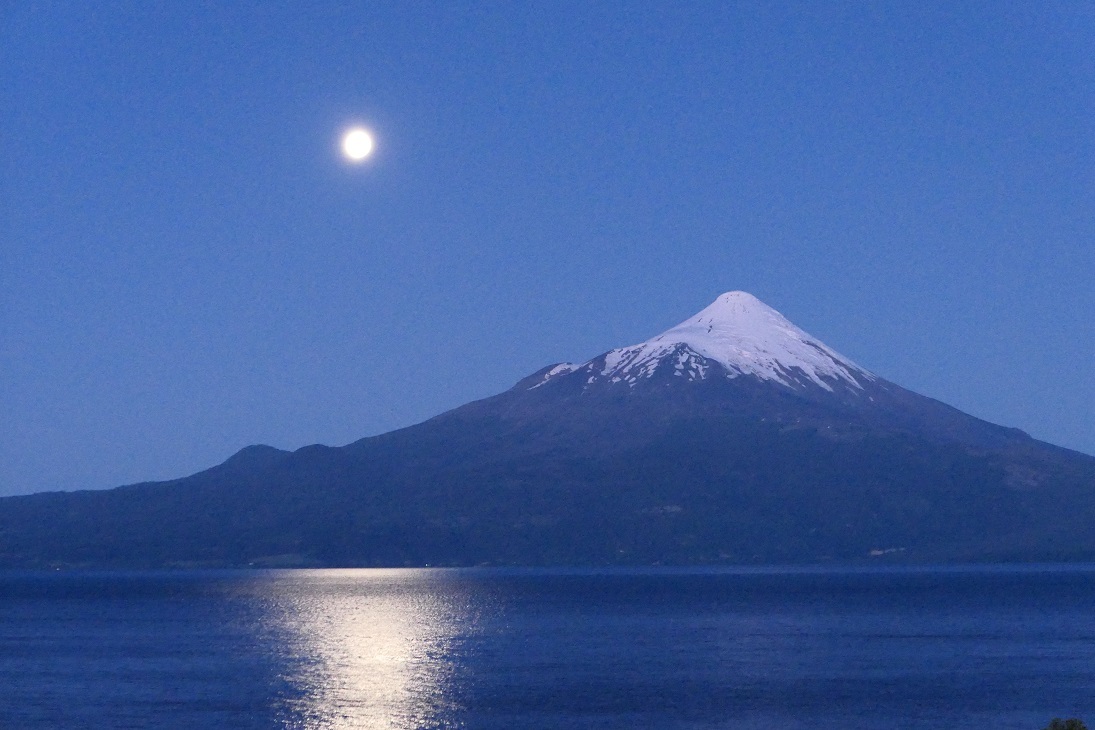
x=733 y=437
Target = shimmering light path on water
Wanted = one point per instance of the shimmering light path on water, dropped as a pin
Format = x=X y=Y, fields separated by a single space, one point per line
x=988 y=647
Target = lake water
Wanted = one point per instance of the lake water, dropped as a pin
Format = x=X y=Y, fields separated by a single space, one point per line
x=986 y=647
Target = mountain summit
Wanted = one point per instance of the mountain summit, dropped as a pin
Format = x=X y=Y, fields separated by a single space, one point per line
x=735 y=335
x=733 y=437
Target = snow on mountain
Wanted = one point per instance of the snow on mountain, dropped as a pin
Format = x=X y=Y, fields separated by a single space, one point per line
x=736 y=335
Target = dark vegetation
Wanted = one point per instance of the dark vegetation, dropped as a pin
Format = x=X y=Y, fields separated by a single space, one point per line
x=1069 y=724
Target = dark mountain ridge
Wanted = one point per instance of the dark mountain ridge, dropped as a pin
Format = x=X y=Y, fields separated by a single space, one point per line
x=732 y=438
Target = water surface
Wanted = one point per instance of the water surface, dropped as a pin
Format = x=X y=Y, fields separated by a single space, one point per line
x=996 y=647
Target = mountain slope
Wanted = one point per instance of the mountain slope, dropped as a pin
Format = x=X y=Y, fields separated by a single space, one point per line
x=733 y=437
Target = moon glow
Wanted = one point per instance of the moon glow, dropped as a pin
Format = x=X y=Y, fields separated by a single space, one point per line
x=357 y=144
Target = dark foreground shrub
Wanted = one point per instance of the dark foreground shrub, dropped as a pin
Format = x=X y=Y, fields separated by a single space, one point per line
x=1070 y=724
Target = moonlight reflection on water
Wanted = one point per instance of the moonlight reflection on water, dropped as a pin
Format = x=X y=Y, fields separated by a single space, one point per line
x=370 y=648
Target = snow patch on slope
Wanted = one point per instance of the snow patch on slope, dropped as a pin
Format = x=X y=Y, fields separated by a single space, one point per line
x=560 y=369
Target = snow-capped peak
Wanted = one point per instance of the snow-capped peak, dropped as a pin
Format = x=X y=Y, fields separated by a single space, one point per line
x=742 y=335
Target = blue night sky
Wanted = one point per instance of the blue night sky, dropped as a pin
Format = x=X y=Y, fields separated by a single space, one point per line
x=188 y=265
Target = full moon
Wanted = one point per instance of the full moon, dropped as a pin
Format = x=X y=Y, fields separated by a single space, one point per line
x=357 y=144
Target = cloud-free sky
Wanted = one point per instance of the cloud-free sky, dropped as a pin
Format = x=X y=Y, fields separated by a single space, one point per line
x=188 y=263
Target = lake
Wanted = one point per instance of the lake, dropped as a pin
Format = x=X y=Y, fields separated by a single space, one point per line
x=990 y=646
